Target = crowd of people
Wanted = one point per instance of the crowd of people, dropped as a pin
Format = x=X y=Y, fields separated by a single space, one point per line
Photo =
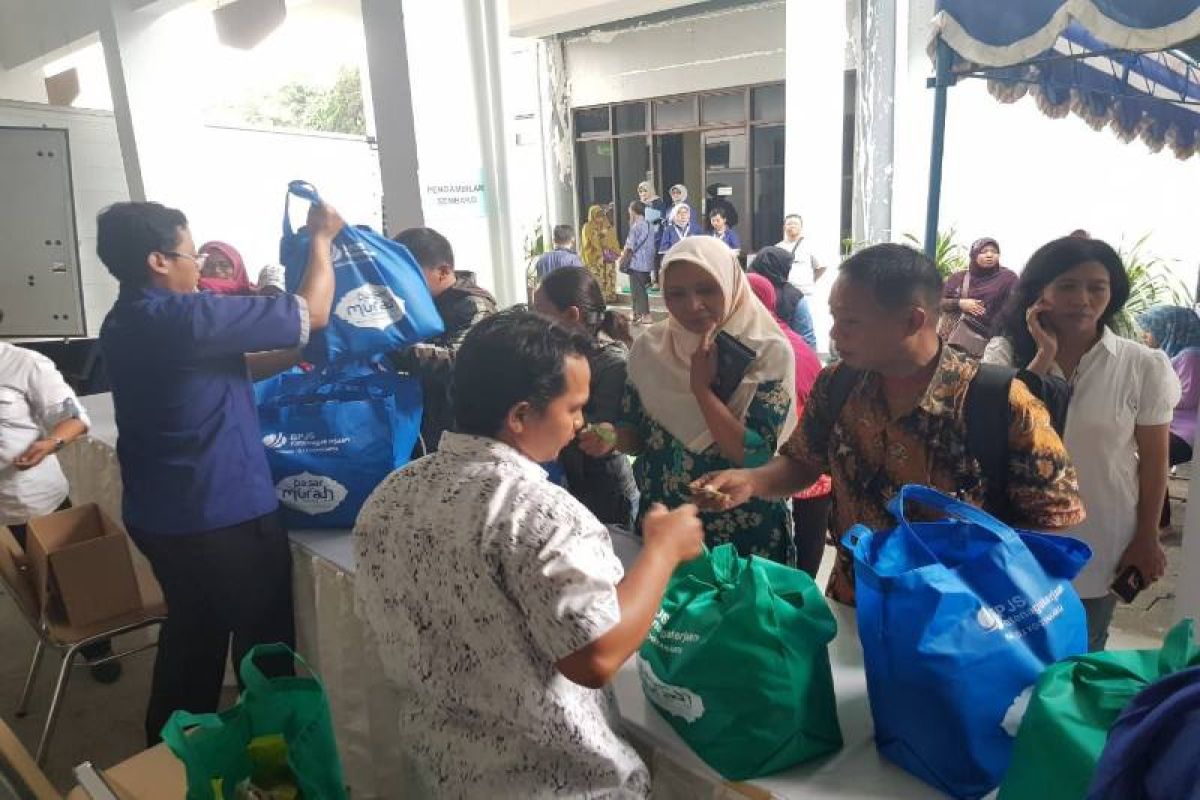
x=494 y=593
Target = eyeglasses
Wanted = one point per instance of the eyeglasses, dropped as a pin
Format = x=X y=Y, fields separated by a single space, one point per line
x=199 y=259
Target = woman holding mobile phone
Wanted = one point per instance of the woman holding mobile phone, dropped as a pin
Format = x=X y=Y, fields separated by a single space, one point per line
x=673 y=418
x=1123 y=396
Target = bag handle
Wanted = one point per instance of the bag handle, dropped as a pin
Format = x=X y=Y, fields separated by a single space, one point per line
x=252 y=676
x=949 y=506
x=174 y=733
x=1179 y=649
x=303 y=190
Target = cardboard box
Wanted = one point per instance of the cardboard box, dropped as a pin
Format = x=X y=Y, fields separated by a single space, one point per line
x=82 y=569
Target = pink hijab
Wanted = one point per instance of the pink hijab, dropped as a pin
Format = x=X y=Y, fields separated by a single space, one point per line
x=238 y=284
x=807 y=363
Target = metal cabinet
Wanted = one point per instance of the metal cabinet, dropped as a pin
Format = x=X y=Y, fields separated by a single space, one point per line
x=40 y=287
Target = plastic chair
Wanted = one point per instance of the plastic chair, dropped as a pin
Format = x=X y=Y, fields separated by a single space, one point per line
x=61 y=636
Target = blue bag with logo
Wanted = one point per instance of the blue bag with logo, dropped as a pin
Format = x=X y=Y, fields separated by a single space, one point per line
x=380 y=302
x=332 y=436
x=957 y=619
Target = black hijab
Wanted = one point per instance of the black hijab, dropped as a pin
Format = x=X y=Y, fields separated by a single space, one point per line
x=775 y=264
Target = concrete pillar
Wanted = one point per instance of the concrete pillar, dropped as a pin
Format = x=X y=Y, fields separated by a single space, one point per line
x=815 y=58
x=913 y=113
x=155 y=87
x=874 y=122
x=391 y=96
x=487 y=30
x=435 y=82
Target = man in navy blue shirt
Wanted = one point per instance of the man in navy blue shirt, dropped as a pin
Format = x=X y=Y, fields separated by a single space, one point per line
x=563 y=254
x=199 y=501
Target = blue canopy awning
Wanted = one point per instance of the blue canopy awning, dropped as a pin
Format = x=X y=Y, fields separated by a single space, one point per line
x=1121 y=64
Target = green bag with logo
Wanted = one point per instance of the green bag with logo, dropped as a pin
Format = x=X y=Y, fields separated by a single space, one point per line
x=279 y=737
x=737 y=662
x=1075 y=703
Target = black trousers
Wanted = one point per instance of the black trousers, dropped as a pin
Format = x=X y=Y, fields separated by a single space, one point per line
x=1178 y=452
x=811 y=518
x=221 y=584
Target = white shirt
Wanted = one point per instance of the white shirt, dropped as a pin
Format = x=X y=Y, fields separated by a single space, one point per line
x=802 y=274
x=475 y=576
x=34 y=398
x=1118 y=385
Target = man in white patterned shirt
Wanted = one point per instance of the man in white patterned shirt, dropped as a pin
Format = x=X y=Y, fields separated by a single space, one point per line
x=498 y=605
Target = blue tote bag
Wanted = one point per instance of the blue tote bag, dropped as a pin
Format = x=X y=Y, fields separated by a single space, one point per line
x=957 y=619
x=380 y=302
x=332 y=436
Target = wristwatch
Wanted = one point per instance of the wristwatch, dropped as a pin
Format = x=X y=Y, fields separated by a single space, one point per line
x=59 y=444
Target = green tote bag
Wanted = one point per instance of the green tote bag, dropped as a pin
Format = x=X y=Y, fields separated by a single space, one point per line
x=279 y=734
x=737 y=662
x=1074 y=704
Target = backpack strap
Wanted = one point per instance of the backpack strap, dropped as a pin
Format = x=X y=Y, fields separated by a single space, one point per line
x=841 y=383
x=988 y=415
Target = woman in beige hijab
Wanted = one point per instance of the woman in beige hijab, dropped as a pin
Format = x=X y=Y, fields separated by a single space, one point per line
x=673 y=419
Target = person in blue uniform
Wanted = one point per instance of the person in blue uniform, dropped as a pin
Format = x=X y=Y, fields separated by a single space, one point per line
x=198 y=497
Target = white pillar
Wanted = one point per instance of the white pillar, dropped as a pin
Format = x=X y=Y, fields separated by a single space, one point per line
x=392 y=102
x=816 y=57
x=874 y=133
x=913 y=113
x=155 y=85
x=487 y=28
x=440 y=126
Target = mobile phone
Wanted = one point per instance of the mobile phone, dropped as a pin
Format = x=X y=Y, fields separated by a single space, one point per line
x=733 y=362
x=1128 y=584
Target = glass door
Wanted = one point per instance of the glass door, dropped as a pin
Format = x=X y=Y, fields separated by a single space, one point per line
x=726 y=168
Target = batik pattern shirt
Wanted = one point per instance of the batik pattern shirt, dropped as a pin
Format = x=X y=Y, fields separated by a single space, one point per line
x=475 y=576
x=870 y=455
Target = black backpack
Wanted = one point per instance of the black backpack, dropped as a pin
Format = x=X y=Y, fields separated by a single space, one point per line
x=988 y=415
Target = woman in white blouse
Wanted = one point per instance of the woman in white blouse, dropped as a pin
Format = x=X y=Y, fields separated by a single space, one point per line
x=1122 y=400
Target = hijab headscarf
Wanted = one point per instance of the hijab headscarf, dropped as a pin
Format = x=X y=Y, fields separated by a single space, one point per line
x=989 y=285
x=1175 y=328
x=808 y=366
x=648 y=188
x=599 y=238
x=979 y=272
x=239 y=283
x=682 y=194
x=691 y=225
x=660 y=363
x=775 y=264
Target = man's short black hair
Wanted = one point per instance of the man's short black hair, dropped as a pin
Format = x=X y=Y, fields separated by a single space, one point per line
x=563 y=234
x=509 y=358
x=127 y=233
x=897 y=275
x=428 y=247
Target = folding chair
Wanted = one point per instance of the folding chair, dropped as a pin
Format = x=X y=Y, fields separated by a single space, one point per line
x=17 y=577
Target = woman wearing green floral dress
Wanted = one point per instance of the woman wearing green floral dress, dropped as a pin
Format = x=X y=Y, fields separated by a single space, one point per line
x=673 y=420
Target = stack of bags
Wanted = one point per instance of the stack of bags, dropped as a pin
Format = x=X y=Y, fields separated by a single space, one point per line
x=335 y=430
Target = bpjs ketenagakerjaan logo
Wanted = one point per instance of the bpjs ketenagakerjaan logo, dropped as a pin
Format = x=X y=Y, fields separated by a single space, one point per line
x=370 y=306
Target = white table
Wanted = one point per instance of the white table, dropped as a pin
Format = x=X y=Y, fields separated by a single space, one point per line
x=364 y=708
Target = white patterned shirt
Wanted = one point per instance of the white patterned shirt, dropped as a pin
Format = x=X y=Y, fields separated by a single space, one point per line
x=475 y=576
